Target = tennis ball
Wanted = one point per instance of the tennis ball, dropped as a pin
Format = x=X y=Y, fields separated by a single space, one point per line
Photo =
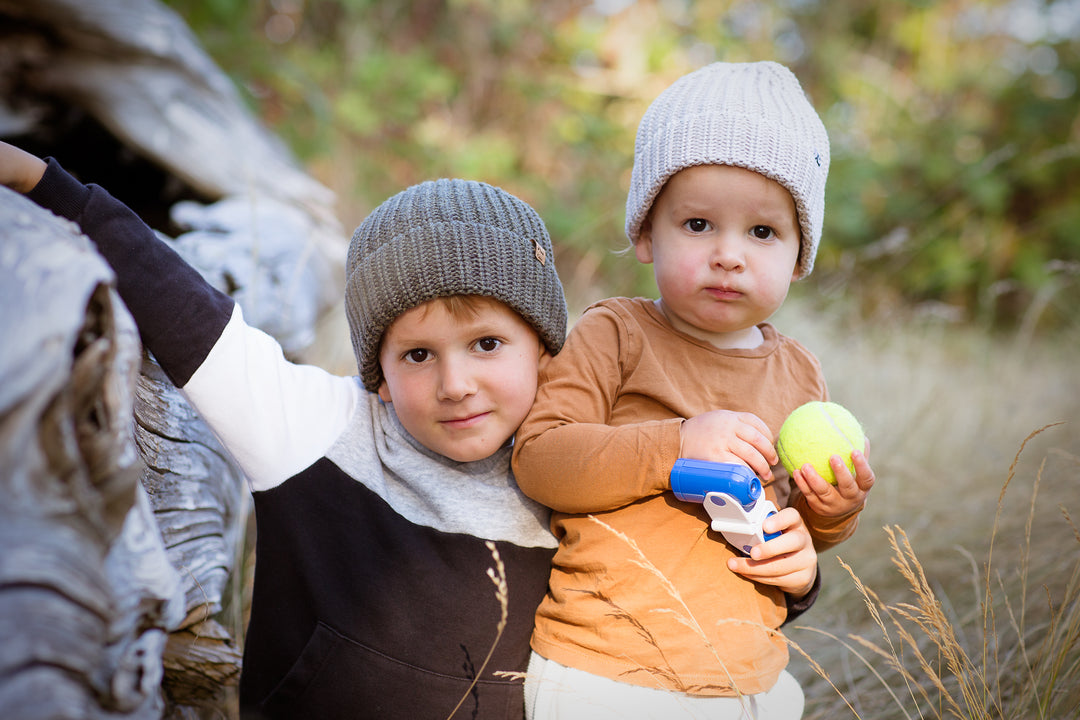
x=816 y=431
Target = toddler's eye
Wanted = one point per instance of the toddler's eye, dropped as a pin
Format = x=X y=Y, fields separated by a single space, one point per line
x=416 y=355
x=761 y=232
x=697 y=225
x=488 y=344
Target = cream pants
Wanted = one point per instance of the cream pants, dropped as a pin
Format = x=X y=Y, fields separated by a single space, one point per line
x=556 y=692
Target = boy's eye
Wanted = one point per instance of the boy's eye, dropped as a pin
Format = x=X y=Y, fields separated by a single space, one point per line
x=488 y=344
x=417 y=355
x=696 y=225
x=761 y=232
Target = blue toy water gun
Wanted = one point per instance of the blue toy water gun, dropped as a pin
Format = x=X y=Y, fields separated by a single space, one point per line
x=731 y=494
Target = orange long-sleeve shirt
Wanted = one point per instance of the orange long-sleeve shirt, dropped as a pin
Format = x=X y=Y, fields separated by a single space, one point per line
x=640 y=591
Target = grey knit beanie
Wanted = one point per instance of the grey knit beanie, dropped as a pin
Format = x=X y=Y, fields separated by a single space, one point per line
x=750 y=115
x=449 y=237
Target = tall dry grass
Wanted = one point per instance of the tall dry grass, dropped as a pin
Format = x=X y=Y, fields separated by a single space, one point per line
x=959 y=596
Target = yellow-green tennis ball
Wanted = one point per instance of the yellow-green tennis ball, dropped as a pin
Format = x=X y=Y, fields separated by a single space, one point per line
x=816 y=431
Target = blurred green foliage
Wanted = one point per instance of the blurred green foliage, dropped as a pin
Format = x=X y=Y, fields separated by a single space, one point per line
x=955 y=125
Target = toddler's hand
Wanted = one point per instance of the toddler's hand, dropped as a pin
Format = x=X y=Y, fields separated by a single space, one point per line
x=19 y=170
x=726 y=436
x=847 y=495
x=789 y=561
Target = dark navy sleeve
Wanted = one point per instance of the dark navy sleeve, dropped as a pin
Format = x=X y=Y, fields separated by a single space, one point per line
x=179 y=315
x=797 y=606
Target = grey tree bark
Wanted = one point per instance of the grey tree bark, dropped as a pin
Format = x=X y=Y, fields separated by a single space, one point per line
x=86 y=590
x=122 y=520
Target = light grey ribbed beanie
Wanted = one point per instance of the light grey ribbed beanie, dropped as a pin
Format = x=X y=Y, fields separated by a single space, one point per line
x=750 y=115
x=442 y=238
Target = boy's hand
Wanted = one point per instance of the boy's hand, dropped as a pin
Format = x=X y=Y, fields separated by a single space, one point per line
x=789 y=561
x=726 y=436
x=849 y=493
x=19 y=170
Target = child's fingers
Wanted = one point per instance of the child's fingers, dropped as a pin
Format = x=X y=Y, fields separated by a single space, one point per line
x=793 y=535
x=724 y=436
x=813 y=481
x=844 y=478
x=748 y=450
x=778 y=547
x=761 y=437
x=864 y=474
x=758 y=462
x=851 y=486
x=784 y=520
x=788 y=561
x=800 y=482
x=782 y=574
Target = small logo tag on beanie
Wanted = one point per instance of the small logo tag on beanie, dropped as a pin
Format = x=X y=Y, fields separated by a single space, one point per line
x=539 y=252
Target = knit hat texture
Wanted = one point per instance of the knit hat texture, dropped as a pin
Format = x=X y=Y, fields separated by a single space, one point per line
x=750 y=115
x=442 y=238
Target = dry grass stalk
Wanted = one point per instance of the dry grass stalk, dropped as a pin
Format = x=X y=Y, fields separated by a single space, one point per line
x=988 y=620
x=1030 y=680
x=497 y=575
x=685 y=617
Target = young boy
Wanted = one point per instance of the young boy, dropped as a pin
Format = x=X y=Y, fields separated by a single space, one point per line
x=374 y=496
x=648 y=613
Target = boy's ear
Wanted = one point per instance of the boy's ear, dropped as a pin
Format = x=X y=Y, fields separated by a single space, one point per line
x=643 y=246
x=798 y=263
x=384 y=392
x=544 y=357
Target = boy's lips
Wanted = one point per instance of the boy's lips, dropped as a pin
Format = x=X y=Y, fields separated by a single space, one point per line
x=465 y=421
x=724 y=293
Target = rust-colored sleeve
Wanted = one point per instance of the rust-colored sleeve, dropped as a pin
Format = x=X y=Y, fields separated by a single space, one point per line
x=568 y=454
x=826 y=531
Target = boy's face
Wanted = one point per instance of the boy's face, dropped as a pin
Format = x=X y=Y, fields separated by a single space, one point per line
x=724 y=242
x=460 y=383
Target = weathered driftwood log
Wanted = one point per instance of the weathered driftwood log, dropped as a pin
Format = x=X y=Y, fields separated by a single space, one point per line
x=86 y=594
x=136 y=67
x=133 y=68
x=200 y=507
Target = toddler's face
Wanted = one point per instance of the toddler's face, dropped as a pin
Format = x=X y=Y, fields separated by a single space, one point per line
x=723 y=242
x=461 y=383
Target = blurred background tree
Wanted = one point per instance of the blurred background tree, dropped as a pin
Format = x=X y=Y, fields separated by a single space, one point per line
x=955 y=126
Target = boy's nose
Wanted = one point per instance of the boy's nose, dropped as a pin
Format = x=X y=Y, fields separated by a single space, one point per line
x=456 y=382
x=727 y=254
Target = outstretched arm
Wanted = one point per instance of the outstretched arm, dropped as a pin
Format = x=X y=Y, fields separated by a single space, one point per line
x=19 y=170
x=179 y=315
x=274 y=417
